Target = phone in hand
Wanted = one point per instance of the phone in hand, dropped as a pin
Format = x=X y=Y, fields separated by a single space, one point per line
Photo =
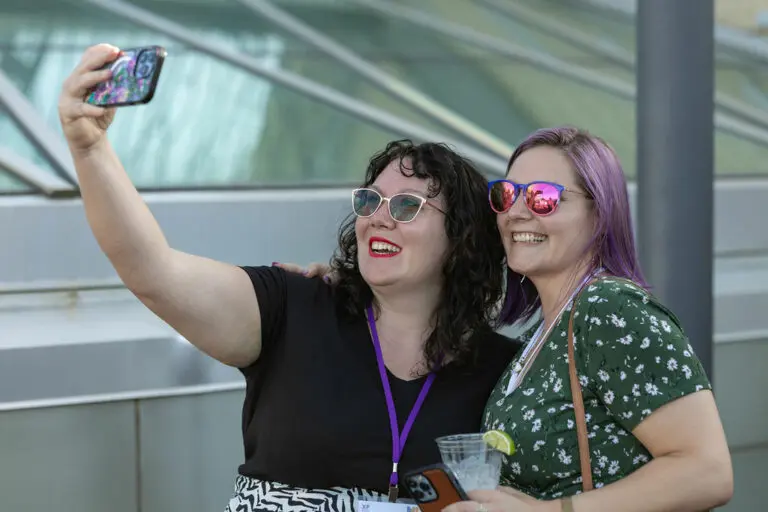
x=434 y=487
x=135 y=73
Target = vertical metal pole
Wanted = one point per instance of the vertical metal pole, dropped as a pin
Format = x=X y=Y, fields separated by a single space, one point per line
x=675 y=112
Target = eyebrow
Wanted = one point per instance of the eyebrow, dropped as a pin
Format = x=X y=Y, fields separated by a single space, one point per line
x=419 y=193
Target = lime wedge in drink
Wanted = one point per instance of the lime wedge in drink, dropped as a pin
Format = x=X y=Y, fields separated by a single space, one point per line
x=500 y=441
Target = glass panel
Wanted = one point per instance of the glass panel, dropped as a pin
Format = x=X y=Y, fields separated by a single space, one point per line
x=12 y=138
x=12 y=185
x=554 y=99
x=448 y=71
x=229 y=22
x=210 y=124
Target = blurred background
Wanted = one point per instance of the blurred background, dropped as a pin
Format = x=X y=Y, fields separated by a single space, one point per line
x=264 y=118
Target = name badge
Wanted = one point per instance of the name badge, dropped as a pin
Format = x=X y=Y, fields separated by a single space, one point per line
x=385 y=506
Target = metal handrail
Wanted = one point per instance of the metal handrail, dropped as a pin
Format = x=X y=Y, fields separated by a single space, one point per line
x=540 y=60
x=613 y=53
x=380 y=78
x=299 y=84
x=31 y=123
x=46 y=182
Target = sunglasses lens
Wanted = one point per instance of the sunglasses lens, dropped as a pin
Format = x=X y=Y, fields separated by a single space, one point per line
x=365 y=202
x=542 y=198
x=501 y=196
x=404 y=207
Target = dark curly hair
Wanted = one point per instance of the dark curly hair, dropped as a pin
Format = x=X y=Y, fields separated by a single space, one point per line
x=474 y=269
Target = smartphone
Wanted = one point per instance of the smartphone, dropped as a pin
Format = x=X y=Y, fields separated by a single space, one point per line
x=434 y=487
x=135 y=74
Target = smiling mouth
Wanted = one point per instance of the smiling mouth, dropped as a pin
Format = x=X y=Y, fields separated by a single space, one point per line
x=528 y=238
x=379 y=248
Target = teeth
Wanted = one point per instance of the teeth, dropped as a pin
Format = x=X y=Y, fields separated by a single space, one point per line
x=384 y=247
x=528 y=237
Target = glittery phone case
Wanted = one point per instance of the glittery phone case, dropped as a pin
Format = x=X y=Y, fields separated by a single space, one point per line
x=135 y=73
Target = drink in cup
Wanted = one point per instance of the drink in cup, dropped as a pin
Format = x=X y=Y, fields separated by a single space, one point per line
x=476 y=464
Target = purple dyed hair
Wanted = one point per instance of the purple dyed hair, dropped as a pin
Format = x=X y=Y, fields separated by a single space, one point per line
x=601 y=176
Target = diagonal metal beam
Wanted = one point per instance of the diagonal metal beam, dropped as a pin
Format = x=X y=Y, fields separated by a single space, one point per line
x=32 y=124
x=324 y=94
x=45 y=181
x=612 y=52
x=380 y=78
x=547 y=62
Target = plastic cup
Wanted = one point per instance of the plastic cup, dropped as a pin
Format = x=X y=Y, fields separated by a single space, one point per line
x=475 y=464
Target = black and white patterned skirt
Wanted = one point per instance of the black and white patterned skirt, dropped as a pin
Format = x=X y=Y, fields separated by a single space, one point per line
x=252 y=495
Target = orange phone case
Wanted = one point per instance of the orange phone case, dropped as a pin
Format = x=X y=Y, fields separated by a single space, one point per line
x=434 y=488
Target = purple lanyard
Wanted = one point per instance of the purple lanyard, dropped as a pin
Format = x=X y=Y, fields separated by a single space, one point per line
x=398 y=438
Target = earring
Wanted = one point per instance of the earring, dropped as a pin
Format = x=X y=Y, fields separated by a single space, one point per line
x=522 y=279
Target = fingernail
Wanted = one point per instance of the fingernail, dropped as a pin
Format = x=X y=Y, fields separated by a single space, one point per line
x=304 y=272
x=327 y=279
x=275 y=264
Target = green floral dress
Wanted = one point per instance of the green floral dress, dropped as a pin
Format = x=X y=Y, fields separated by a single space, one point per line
x=632 y=358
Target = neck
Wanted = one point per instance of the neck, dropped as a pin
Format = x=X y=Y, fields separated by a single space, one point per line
x=555 y=290
x=407 y=312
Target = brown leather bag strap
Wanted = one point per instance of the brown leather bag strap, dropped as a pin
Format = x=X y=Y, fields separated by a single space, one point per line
x=578 y=402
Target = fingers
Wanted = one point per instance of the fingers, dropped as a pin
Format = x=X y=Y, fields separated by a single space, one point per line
x=317 y=270
x=96 y=57
x=289 y=267
x=77 y=86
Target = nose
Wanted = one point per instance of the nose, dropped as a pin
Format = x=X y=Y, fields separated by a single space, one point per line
x=382 y=218
x=519 y=211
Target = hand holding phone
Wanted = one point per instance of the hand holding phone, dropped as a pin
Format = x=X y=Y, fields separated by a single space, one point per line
x=434 y=487
x=135 y=74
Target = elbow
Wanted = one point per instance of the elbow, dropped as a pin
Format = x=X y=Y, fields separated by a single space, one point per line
x=718 y=475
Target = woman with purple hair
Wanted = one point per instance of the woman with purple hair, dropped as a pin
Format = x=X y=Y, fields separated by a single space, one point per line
x=634 y=417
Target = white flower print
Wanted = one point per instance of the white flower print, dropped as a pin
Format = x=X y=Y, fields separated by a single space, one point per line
x=515 y=467
x=608 y=397
x=603 y=375
x=596 y=321
x=672 y=364
x=618 y=322
x=529 y=391
x=626 y=340
x=537 y=445
x=622 y=375
x=639 y=369
x=613 y=468
x=536 y=425
x=665 y=325
x=687 y=371
x=558 y=386
x=529 y=414
x=564 y=457
x=645 y=343
x=651 y=389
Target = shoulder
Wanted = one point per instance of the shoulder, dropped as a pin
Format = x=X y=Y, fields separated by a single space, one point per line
x=620 y=303
x=282 y=293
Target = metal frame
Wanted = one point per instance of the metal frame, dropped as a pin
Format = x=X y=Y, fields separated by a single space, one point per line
x=28 y=119
x=379 y=78
x=46 y=182
x=327 y=95
x=613 y=53
x=616 y=87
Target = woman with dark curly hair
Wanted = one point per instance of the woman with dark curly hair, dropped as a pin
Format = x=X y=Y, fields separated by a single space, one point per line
x=420 y=270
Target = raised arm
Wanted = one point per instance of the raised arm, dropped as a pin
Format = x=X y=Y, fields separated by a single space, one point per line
x=211 y=304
